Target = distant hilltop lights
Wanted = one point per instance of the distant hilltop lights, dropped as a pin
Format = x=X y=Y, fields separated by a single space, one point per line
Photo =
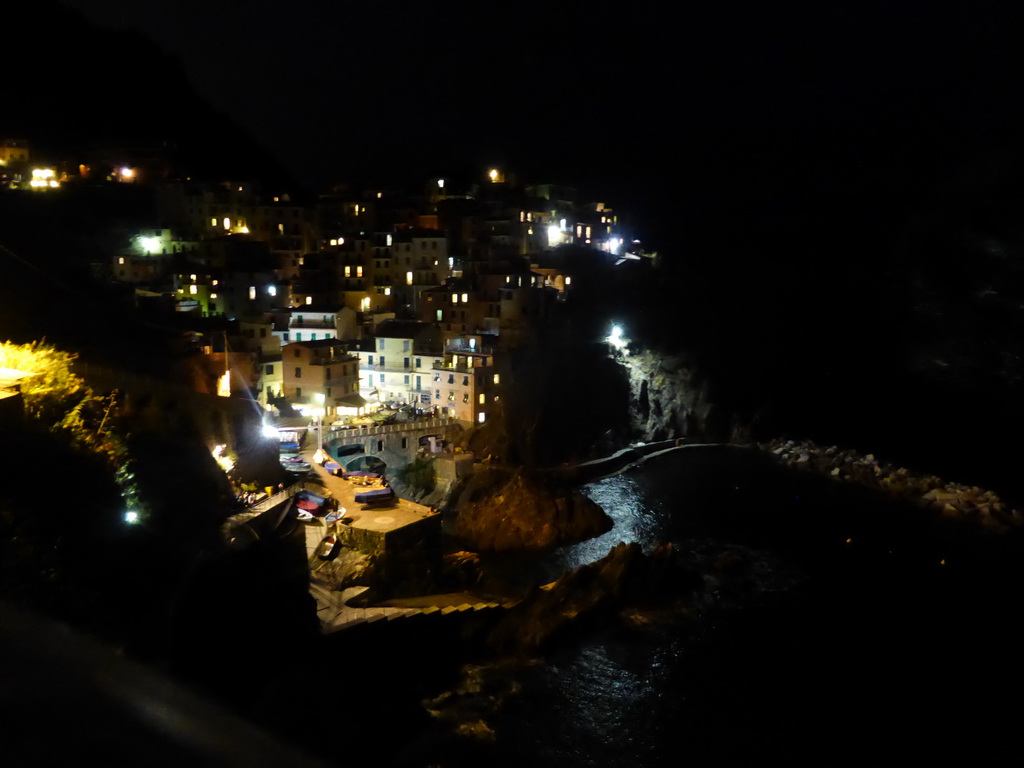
x=44 y=178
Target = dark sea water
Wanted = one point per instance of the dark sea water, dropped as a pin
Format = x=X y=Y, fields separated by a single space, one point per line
x=883 y=637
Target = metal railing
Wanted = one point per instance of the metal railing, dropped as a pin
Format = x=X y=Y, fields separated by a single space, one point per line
x=363 y=430
x=282 y=496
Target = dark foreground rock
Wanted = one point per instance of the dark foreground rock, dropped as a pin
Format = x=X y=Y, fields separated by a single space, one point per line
x=622 y=576
x=500 y=511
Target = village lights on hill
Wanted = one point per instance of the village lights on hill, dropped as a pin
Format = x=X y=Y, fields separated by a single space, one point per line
x=44 y=178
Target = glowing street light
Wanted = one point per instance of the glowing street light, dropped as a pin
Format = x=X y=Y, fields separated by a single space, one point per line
x=320 y=398
x=131 y=517
x=616 y=339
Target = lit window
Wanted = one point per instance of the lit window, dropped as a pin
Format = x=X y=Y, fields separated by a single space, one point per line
x=455 y=298
x=389 y=239
x=497 y=379
x=359 y=271
x=348 y=271
x=568 y=281
x=309 y=300
x=213 y=222
x=408 y=278
x=465 y=298
x=193 y=289
x=334 y=241
x=227 y=223
x=481 y=417
x=213 y=295
x=121 y=260
x=387 y=291
x=482 y=398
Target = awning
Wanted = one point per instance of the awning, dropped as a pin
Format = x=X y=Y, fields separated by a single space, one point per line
x=351 y=401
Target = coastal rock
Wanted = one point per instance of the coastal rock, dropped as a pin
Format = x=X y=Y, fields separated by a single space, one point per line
x=498 y=511
x=624 y=576
x=666 y=398
x=480 y=693
x=350 y=568
x=948 y=499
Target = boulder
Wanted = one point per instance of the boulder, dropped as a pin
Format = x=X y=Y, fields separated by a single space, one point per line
x=503 y=512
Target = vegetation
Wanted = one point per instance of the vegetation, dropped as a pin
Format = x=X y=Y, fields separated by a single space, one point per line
x=419 y=475
x=58 y=400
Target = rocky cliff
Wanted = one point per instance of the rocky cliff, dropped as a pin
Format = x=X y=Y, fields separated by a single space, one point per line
x=667 y=399
x=500 y=510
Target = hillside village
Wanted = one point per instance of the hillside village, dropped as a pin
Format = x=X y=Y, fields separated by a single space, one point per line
x=359 y=299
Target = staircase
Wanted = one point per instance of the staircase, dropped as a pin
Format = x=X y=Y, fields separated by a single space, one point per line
x=335 y=615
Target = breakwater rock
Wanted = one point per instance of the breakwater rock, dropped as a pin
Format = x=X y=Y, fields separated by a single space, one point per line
x=500 y=511
x=633 y=588
x=949 y=499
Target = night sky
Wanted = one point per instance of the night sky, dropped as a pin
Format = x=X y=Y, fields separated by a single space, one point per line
x=724 y=110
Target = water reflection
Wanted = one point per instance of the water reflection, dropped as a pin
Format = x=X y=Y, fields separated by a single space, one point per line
x=636 y=516
x=613 y=703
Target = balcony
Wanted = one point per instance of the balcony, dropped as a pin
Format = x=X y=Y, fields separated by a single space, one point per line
x=449 y=368
x=299 y=325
